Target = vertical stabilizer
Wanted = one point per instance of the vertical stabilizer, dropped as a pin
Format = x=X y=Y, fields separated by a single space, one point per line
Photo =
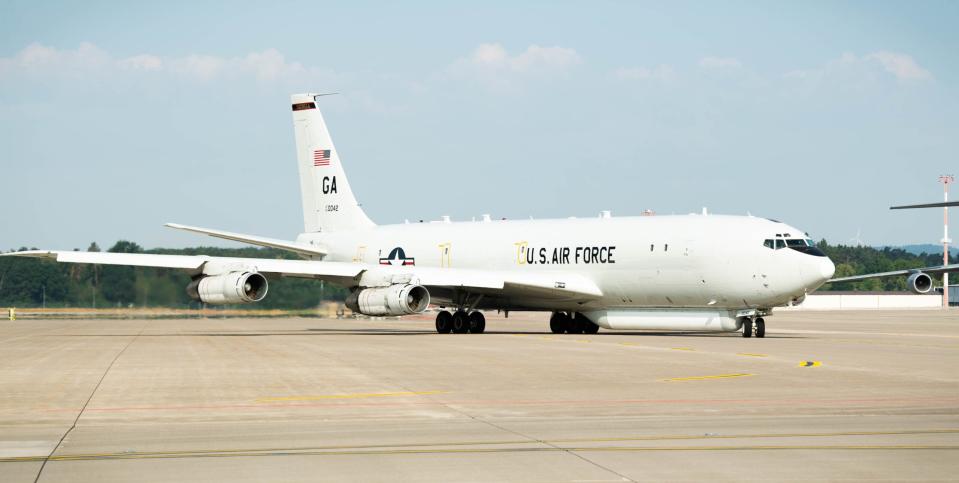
x=328 y=201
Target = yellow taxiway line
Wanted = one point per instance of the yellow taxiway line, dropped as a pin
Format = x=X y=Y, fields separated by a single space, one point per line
x=700 y=378
x=347 y=396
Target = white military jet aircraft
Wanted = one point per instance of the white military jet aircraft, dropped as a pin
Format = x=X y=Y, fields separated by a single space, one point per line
x=691 y=272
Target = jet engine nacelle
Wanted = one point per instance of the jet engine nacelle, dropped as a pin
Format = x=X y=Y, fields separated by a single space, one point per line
x=229 y=288
x=398 y=299
x=919 y=283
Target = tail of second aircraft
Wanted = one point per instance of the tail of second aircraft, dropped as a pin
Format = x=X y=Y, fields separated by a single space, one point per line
x=328 y=201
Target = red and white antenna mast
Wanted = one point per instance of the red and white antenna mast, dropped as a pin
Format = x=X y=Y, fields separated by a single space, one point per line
x=946 y=180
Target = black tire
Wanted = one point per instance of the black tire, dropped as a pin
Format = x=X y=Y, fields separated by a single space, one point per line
x=444 y=322
x=461 y=322
x=760 y=327
x=577 y=325
x=558 y=323
x=748 y=328
x=589 y=327
x=477 y=322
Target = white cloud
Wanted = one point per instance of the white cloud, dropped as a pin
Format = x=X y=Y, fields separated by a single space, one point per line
x=902 y=66
x=144 y=62
x=719 y=63
x=493 y=66
x=850 y=67
x=87 y=59
x=534 y=58
x=661 y=72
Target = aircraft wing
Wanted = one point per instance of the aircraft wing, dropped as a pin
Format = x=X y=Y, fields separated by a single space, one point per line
x=554 y=285
x=926 y=205
x=549 y=285
x=290 y=246
x=897 y=273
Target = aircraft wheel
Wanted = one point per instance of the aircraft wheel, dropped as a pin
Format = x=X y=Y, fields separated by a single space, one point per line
x=444 y=322
x=558 y=322
x=760 y=327
x=477 y=322
x=590 y=327
x=577 y=325
x=748 y=328
x=461 y=322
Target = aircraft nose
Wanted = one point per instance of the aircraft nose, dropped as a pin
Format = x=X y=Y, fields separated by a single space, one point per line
x=826 y=268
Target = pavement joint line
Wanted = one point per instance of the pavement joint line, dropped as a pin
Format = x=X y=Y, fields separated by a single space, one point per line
x=747 y=354
x=255 y=453
x=528 y=440
x=700 y=378
x=87 y=403
x=683 y=349
x=348 y=396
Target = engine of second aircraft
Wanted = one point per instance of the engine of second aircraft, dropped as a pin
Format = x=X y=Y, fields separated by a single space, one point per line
x=397 y=299
x=919 y=283
x=229 y=288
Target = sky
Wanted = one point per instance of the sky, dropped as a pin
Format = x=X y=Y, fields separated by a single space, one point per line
x=117 y=118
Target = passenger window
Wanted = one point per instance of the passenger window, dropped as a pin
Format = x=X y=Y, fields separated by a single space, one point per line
x=651 y=247
x=768 y=243
x=666 y=247
x=780 y=244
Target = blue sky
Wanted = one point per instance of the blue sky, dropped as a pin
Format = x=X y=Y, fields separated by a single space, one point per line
x=116 y=118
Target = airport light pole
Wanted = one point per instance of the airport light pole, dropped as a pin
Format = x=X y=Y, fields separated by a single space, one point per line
x=946 y=180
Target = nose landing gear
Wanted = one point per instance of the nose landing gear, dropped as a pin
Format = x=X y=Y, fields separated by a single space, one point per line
x=758 y=326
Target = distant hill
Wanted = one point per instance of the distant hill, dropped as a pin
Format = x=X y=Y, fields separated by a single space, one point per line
x=924 y=248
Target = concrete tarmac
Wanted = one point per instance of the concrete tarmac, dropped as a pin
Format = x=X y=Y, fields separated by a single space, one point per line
x=825 y=396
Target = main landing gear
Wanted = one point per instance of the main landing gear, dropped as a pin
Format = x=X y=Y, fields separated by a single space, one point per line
x=758 y=326
x=460 y=322
x=563 y=323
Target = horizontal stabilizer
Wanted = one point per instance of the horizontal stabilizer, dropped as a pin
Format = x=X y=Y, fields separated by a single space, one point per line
x=290 y=246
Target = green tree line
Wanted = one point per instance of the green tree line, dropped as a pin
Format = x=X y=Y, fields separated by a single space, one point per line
x=26 y=282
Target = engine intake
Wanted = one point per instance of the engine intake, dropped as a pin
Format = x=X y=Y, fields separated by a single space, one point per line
x=229 y=288
x=396 y=299
x=919 y=283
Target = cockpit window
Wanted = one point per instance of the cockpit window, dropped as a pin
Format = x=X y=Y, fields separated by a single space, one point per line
x=804 y=245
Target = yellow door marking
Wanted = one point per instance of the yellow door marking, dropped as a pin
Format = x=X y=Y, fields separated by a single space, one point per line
x=747 y=354
x=446 y=259
x=810 y=364
x=347 y=396
x=700 y=378
x=521 y=252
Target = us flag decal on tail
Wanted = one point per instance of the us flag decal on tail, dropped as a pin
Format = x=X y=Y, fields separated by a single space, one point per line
x=321 y=157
